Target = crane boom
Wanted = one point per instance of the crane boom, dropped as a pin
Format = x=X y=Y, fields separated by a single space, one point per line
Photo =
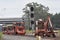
x=50 y=21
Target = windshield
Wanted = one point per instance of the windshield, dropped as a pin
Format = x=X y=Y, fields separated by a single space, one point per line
x=19 y=24
x=10 y=28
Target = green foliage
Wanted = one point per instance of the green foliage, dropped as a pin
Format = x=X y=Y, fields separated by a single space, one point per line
x=56 y=20
x=40 y=11
x=1 y=35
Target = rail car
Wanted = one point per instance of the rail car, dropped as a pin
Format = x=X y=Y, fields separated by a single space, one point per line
x=16 y=28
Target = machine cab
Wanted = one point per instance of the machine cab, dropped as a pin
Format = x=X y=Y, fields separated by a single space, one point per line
x=19 y=28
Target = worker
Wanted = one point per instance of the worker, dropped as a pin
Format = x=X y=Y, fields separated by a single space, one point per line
x=39 y=25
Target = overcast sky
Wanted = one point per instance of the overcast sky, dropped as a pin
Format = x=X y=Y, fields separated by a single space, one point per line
x=13 y=8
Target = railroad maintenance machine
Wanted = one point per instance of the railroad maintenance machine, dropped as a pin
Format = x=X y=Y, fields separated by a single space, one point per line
x=43 y=29
x=15 y=28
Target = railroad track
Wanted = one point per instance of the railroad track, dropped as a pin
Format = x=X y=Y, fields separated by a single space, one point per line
x=18 y=37
x=28 y=37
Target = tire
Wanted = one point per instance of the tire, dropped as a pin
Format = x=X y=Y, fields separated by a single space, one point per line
x=54 y=35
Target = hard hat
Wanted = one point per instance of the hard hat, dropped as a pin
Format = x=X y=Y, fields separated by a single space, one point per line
x=40 y=19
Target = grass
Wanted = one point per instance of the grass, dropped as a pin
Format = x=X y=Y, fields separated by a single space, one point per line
x=28 y=31
x=59 y=31
x=1 y=35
